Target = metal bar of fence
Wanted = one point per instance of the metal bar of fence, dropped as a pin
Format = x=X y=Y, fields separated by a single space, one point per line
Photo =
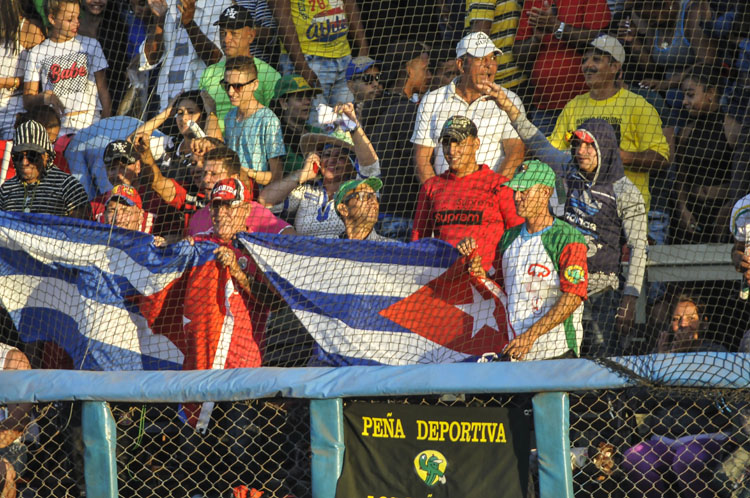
x=327 y=444
x=306 y=383
x=552 y=429
x=100 y=443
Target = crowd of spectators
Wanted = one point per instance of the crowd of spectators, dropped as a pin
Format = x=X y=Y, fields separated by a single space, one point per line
x=309 y=97
x=602 y=127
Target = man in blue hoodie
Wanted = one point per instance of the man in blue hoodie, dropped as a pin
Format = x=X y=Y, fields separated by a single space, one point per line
x=595 y=196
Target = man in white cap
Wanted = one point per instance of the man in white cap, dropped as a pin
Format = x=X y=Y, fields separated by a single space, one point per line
x=500 y=148
x=643 y=147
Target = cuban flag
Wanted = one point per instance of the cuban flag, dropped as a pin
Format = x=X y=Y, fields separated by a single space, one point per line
x=100 y=293
x=383 y=303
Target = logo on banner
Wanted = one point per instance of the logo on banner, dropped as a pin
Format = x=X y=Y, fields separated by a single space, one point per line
x=430 y=466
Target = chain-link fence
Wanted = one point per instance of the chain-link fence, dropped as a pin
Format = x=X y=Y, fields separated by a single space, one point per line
x=624 y=443
x=194 y=185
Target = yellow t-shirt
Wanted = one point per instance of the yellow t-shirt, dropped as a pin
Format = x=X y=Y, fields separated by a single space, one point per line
x=321 y=27
x=504 y=16
x=636 y=123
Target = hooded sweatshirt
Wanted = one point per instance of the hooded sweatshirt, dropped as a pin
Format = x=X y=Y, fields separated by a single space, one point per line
x=605 y=206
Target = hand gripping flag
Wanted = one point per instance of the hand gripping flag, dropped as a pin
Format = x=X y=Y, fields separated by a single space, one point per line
x=368 y=303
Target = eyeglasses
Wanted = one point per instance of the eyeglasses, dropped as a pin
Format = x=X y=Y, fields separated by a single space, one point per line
x=32 y=155
x=235 y=86
x=367 y=78
x=361 y=196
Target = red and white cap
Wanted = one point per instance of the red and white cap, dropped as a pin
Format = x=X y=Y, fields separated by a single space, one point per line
x=126 y=193
x=231 y=189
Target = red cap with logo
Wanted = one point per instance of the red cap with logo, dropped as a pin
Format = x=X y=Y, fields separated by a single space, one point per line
x=126 y=193
x=584 y=136
x=231 y=189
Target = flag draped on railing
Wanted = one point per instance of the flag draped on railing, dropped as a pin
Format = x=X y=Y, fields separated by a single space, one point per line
x=381 y=302
x=114 y=301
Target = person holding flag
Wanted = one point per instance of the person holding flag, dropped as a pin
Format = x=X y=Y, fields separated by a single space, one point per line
x=543 y=270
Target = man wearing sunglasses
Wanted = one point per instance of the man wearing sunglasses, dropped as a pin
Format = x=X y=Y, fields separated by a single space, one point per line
x=251 y=129
x=237 y=31
x=363 y=80
x=39 y=187
x=607 y=207
x=357 y=205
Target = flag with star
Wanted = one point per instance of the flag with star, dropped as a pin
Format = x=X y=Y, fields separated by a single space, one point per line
x=383 y=303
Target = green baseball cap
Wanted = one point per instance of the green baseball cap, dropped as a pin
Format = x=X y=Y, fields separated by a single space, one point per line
x=293 y=83
x=531 y=173
x=347 y=187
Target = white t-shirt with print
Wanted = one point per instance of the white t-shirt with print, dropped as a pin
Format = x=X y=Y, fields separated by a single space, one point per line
x=68 y=69
x=492 y=124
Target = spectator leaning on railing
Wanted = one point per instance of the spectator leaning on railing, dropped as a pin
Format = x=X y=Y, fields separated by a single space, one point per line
x=543 y=270
x=601 y=202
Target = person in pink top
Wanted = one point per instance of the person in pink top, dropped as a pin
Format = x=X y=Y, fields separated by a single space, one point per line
x=222 y=163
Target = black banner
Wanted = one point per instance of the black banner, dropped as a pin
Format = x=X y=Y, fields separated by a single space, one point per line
x=411 y=451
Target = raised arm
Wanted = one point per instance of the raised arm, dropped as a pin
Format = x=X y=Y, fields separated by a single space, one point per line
x=208 y=52
x=534 y=139
x=163 y=187
x=275 y=193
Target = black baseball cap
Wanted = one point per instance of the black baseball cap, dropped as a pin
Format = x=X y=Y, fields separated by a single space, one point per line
x=119 y=149
x=235 y=17
x=459 y=128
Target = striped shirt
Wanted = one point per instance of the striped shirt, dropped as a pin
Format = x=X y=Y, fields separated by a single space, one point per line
x=57 y=193
x=504 y=16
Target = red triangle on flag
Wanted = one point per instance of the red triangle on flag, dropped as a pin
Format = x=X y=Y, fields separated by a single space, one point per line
x=435 y=312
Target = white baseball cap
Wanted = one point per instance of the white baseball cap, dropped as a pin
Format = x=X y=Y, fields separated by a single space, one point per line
x=610 y=45
x=477 y=45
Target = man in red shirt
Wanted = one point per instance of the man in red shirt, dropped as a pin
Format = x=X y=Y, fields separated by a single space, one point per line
x=242 y=292
x=550 y=35
x=468 y=200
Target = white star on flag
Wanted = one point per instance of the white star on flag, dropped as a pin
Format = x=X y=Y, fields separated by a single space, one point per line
x=481 y=310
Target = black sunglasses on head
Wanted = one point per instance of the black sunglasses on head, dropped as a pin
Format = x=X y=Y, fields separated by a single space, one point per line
x=367 y=78
x=32 y=155
x=234 y=86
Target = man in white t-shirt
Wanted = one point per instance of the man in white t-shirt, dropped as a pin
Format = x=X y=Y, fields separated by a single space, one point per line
x=739 y=226
x=500 y=147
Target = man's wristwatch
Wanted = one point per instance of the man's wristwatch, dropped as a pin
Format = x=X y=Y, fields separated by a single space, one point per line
x=560 y=30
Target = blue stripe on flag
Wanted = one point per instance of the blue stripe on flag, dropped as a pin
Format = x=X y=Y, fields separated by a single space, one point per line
x=359 y=312
x=425 y=252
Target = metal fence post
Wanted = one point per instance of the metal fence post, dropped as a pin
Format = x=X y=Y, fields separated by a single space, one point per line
x=100 y=443
x=327 y=443
x=552 y=428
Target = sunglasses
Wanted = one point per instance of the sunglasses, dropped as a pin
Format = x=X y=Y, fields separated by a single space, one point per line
x=32 y=155
x=361 y=196
x=367 y=78
x=235 y=86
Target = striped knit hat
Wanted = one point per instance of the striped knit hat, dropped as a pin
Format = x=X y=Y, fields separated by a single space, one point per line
x=31 y=135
